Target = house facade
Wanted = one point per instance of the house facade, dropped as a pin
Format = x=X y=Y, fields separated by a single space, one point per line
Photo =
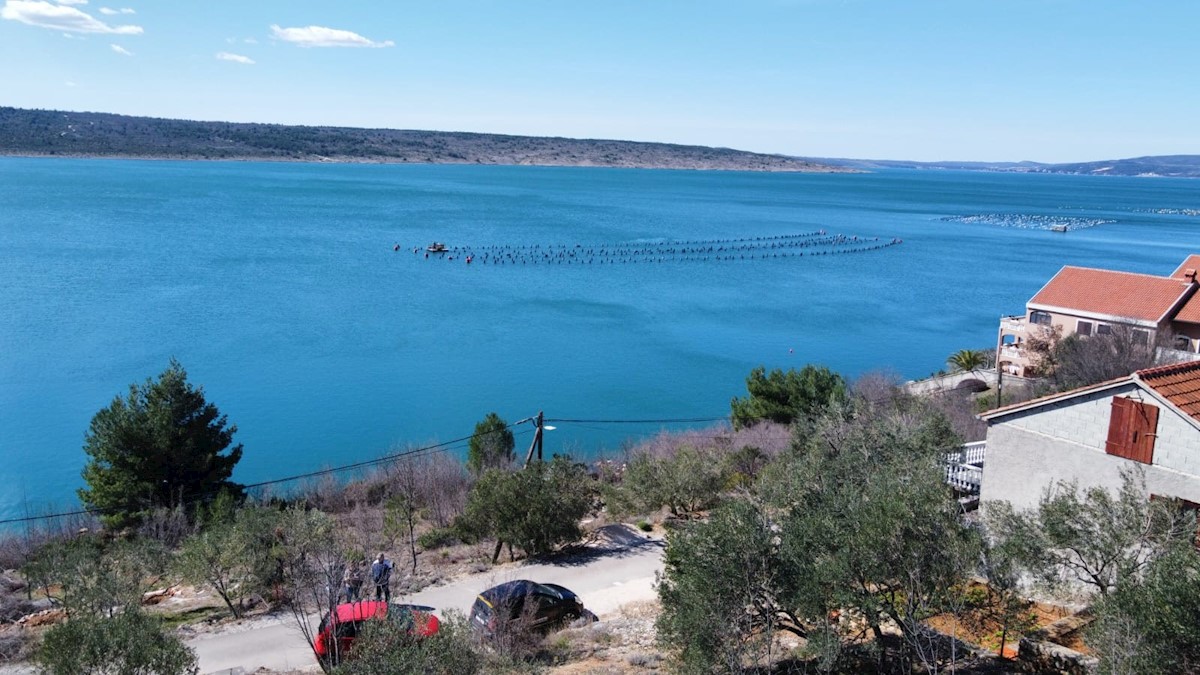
x=1149 y=420
x=1156 y=310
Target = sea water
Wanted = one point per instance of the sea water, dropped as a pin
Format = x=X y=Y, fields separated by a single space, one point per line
x=279 y=289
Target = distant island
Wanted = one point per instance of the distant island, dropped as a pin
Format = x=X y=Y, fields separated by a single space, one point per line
x=1178 y=166
x=56 y=133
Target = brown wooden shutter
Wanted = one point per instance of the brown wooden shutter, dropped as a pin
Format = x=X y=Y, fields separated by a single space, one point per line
x=1132 y=428
x=1145 y=430
x=1118 y=427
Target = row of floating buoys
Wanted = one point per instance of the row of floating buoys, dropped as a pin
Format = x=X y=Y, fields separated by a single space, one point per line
x=1029 y=221
x=817 y=243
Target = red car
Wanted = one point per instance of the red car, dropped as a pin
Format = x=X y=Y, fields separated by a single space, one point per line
x=339 y=628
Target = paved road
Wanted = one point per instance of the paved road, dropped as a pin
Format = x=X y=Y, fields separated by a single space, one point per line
x=604 y=578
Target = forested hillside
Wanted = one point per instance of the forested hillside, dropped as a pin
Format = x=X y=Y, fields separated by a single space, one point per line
x=85 y=134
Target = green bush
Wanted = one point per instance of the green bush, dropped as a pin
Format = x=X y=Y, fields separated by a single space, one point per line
x=130 y=642
x=536 y=509
x=438 y=537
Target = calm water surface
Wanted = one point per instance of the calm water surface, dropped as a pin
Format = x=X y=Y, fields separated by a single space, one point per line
x=277 y=287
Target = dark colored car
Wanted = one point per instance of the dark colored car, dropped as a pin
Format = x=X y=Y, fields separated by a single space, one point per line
x=546 y=605
x=339 y=628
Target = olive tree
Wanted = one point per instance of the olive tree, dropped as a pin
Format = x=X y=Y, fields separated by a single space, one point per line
x=1091 y=538
x=536 y=509
x=855 y=518
x=128 y=643
x=1149 y=625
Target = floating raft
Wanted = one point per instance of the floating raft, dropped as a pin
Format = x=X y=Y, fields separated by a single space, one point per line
x=817 y=243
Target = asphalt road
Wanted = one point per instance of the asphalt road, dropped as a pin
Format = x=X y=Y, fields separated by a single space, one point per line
x=604 y=576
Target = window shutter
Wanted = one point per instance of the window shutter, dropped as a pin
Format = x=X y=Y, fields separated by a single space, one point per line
x=1132 y=428
x=1118 y=427
x=1145 y=423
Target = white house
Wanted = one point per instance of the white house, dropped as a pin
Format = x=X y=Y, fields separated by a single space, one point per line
x=1149 y=419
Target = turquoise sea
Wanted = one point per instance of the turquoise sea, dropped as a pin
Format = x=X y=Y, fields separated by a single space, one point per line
x=277 y=287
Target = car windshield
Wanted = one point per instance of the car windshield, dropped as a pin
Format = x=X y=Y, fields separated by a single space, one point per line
x=546 y=590
x=401 y=616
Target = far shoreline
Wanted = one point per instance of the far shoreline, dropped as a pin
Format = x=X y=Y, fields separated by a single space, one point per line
x=392 y=161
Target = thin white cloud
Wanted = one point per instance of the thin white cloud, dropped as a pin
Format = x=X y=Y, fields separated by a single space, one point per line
x=320 y=36
x=58 y=17
x=236 y=58
x=72 y=2
x=109 y=11
x=121 y=50
x=69 y=83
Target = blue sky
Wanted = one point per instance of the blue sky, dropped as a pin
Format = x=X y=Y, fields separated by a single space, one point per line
x=1045 y=80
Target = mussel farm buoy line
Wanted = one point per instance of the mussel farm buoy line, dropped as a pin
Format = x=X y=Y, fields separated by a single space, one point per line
x=818 y=243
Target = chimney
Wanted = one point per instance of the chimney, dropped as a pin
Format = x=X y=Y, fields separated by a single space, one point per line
x=1190 y=274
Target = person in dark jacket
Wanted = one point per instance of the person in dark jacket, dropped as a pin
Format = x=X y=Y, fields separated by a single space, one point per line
x=381 y=576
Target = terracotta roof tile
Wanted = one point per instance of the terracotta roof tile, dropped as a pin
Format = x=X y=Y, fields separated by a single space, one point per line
x=1179 y=383
x=1191 y=310
x=1192 y=263
x=1117 y=294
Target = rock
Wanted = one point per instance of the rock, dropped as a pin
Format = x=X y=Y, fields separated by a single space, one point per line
x=45 y=617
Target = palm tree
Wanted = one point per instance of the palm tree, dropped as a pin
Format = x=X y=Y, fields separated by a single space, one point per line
x=967 y=360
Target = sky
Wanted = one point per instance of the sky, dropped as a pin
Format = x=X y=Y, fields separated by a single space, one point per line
x=986 y=80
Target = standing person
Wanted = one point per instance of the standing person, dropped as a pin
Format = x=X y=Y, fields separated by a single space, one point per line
x=381 y=575
x=352 y=581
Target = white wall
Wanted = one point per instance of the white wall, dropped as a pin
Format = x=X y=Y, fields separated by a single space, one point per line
x=1029 y=452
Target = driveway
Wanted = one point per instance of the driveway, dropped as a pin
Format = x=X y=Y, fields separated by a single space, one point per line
x=619 y=569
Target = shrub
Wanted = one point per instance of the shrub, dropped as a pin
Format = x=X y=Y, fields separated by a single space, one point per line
x=438 y=537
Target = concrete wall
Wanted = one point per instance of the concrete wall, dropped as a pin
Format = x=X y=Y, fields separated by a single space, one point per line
x=1029 y=452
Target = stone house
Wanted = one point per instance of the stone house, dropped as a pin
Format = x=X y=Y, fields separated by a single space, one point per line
x=1150 y=419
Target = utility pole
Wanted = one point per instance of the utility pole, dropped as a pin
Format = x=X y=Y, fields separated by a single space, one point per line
x=540 y=422
x=999 y=369
x=536 y=445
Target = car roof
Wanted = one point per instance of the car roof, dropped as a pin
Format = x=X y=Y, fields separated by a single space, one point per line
x=359 y=611
x=509 y=589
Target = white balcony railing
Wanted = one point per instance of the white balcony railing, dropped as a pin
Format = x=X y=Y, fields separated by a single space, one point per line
x=1013 y=324
x=964 y=467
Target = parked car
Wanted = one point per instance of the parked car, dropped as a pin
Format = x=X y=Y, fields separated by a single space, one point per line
x=546 y=605
x=339 y=628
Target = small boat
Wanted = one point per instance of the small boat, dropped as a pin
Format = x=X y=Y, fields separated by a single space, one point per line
x=437 y=247
x=1058 y=228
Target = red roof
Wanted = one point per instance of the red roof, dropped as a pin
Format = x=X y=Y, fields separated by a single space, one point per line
x=1190 y=311
x=1179 y=383
x=1192 y=264
x=1116 y=294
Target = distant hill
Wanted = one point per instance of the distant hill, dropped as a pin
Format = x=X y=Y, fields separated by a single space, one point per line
x=1182 y=166
x=85 y=134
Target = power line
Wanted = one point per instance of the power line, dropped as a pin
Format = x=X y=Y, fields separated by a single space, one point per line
x=437 y=447
x=677 y=420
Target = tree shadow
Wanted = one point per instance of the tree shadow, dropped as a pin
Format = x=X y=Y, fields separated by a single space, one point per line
x=611 y=541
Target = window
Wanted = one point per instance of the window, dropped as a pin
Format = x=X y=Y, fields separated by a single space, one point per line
x=1187 y=507
x=1039 y=317
x=1103 y=329
x=1131 y=430
x=1183 y=342
x=1140 y=338
x=1084 y=328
